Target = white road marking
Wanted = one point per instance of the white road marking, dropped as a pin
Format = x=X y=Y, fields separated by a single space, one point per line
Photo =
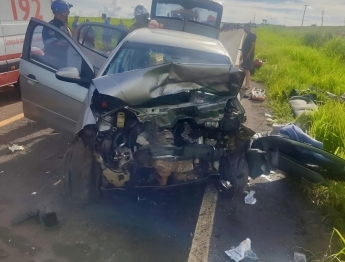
x=204 y=226
x=237 y=63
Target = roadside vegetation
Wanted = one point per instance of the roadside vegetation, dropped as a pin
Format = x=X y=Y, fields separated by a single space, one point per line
x=310 y=60
x=113 y=21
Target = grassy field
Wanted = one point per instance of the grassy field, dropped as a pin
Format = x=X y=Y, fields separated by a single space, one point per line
x=299 y=58
x=113 y=21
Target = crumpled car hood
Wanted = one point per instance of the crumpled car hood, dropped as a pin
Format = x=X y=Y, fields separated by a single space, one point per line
x=137 y=87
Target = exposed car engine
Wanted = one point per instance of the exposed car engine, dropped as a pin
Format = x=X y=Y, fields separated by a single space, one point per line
x=173 y=139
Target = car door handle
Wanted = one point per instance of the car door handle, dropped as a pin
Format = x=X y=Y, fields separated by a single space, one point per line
x=31 y=78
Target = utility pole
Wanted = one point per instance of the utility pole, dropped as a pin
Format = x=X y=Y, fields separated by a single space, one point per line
x=322 y=18
x=285 y=21
x=305 y=8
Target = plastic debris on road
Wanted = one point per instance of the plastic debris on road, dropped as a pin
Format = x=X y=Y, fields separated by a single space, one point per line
x=243 y=250
x=14 y=148
x=57 y=182
x=299 y=257
x=33 y=193
x=268 y=115
x=250 y=199
x=258 y=94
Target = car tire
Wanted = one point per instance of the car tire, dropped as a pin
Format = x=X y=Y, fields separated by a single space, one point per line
x=17 y=88
x=80 y=174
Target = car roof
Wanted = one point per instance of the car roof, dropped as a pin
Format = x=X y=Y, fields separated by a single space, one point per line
x=176 y=39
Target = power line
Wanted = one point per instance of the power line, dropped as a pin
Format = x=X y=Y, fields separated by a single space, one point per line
x=305 y=8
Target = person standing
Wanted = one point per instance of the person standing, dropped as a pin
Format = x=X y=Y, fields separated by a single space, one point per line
x=248 y=49
x=55 y=44
x=142 y=18
x=105 y=35
x=75 y=23
x=121 y=25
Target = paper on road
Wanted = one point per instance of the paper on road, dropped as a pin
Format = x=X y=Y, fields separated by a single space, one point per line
x=16 y=148
x=242 y=251
x=250 y=199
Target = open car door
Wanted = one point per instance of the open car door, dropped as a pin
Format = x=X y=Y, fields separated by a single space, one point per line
x=202 y=17
x=55 y=75
x=97 y=41
x=300 y=159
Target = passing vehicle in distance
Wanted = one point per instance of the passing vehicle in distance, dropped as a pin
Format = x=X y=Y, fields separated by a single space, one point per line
x=160 y=111
x=14 y=20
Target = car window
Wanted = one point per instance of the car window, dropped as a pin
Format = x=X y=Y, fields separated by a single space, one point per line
x=196 y=14
x=133 y=56
x=51 y=49
x=99 y=39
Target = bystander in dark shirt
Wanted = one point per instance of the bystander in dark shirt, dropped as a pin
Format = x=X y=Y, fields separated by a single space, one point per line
x=248 y=40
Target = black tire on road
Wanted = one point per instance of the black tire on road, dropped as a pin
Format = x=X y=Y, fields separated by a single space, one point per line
x=80 y=174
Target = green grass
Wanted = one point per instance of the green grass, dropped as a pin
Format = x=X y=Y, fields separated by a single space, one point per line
x=113 y=21
x=298 y=58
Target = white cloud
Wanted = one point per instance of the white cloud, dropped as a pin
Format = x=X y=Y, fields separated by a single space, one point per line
x=275 y=11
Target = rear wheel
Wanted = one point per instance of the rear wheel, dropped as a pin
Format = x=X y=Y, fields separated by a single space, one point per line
x=80 y=174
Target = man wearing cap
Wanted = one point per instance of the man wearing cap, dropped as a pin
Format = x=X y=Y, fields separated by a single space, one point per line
x=248 y=48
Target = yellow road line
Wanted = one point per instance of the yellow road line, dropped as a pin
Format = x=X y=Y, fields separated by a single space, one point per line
x=11 y=120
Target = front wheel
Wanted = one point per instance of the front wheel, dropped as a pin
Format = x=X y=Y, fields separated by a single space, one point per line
x=80 y=174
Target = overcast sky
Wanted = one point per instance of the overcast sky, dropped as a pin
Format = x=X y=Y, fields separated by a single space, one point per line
x=275 y=11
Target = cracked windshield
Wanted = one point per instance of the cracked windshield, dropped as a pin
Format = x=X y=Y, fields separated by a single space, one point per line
x=172 y=130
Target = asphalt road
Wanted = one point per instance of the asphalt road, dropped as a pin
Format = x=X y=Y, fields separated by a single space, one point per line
x=141 y=228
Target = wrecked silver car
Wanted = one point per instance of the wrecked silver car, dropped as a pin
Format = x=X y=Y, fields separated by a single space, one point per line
x=160 y=127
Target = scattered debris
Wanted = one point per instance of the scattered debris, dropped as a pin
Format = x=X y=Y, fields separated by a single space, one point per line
x=141 y=199
x=299 y=257
x=47 y=172
x=33 y=248
x=1 y=172
x=33 y=193
x=57 y=182
x=15 y=147
x=250 y=199
x=335 y=97
x=154 y=203
x=271 y=120
x=242 y=251
x=258 y=94
x=43 y=214
x=268 y=115
x=191 y=234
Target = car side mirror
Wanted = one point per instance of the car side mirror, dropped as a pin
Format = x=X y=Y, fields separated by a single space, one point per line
x=70 y=74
